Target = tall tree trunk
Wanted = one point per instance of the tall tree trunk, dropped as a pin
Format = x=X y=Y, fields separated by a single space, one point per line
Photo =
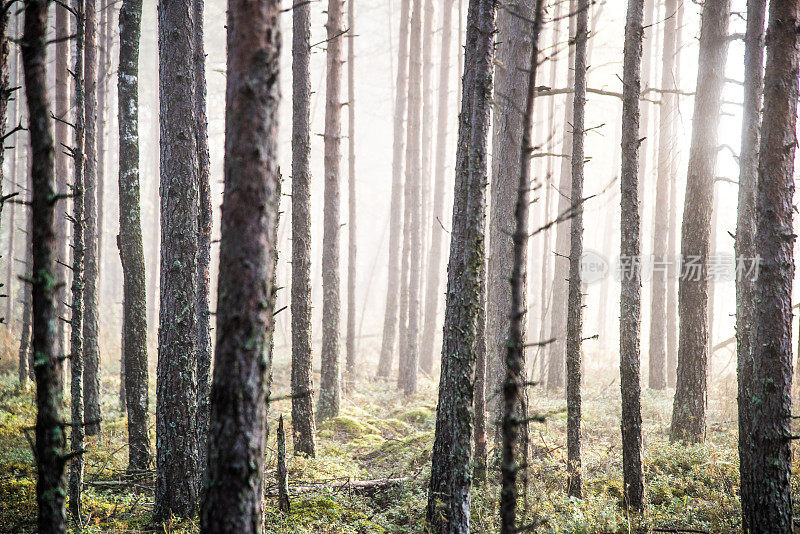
x=449 y=491
x=176 y=391
x=248 y=249
x=390 y=318
x=657 y=378
x=329 y=393
x=203 y=241
x=511 y=87
x=771 y=506
x=302 y=385
x=432 y=285
x=688 y=415
x=630 y=296
x=644 y=107
x=25 y=354
x=91 y=372
x=746 y=247
x=350 y=343
x=514 y=383
x=131 y=250
x=50 y=442
x=575 y=301
x=15 y=113
x=412 y=246
x=102 y=100
x=481 y=454
x=76 y=320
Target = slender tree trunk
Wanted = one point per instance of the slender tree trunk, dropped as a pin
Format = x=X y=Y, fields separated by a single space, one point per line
x=657 y=378
x=302 y=385
x=481 y=454
x=426 y=149
x=433 y=285
x=76 y=321
x=131 y=250
x=510 y=92
x=575 y=301
x=514 y=383
x=14 y=180
x=329 y=381
x=91 y=374
x=688 y=415
x=232 y=501
x=102 y=99
x=25 y=355
x=203 y=242
x=390 y=318
x=350 y=342
x=176 y=392
x=771 y=506
x=644 y=107
x=630 y=296
x=449 y=491
x=746 y=247
x=50 y=442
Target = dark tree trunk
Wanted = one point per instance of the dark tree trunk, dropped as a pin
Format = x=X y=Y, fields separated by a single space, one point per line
x=131 y=250
x=688 y=415
x=449 y=491
x=771 y=506
x=350 y=343
x=575 y=300
x=176 y=392
x=432 y=297
x=302 y=385
x=630 y=296
x=76 y=321
x=91 y=372
x=282 y=473
x=514 y=382
x=203 y=242
x=746 y=247
x=481 y=454
x=50 y=442
x=390 y=319
x=657 y=377
x=232 y=501
x=329 y=393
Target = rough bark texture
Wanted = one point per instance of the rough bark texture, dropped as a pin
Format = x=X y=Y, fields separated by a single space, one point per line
x=412 y=246
x=350 y=343
x=329 y=380
x=481 y=453
x=451 y=474
x=176 y=391
x=745 y=245
x=248 y=249
x=688 y=413
x=91 y=372
x=657 y=377
x=515 y=378
x=302 y=384
x=575 y=298
x=432 y=286
x=390 y=318
x=771 y=506
x=512 y=63
x=203 y=241
x=131 y=250
x=281 y=472
x=50 y=442
x=630 y=296
x=76 y=320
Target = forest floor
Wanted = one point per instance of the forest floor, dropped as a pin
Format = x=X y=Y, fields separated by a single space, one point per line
x=381 y=434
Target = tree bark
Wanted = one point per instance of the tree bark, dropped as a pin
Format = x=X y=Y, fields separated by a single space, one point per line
x=390 y=318
x=329 y=393
x=630 y=296
x=350 y=342
x=176 y=391
x=771 y=506
x=481 y=454
x=131 y=250
x=15 y=110
x=91 y=371
x=302 y=384
x=432 y=287
x=50 y=442
x=746 y=247
x=688 y=415
x=449 y=491
x=233 y=493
